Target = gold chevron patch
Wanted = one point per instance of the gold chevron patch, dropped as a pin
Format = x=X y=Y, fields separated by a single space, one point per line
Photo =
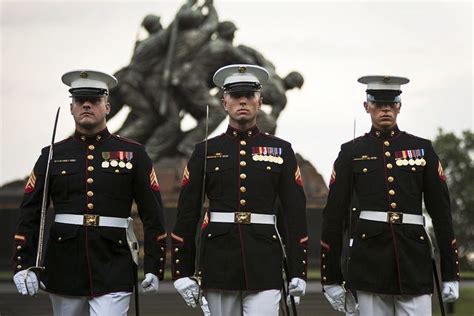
x=155 y=186
x=31 y=183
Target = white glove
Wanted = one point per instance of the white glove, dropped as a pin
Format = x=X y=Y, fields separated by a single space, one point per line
x=26 y=282
x=150 y=284
x=296 y=288
x=189 y=290
x=340 y=299
x=450 y=291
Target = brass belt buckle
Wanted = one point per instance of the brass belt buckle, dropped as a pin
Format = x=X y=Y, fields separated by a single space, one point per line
x=242 y=217
x=91 y=220
x=395 y=218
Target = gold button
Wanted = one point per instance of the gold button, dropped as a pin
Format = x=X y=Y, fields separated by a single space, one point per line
x=364 y=170
x=422 y=238
x=120 y=241
x=176 y=249
x=243 y=142
x=63 y=172
x=19 y=257
x=274 y=237
x=391 y=192
x=269 y=168
x=303 y=273
x=177 y=261
x=304 y=261
x=386 y=143
x=90 y=157
x=117 y=171
x=243 y=189
x=354 y=209
x=216 y=168
x=98 y=137
x=457 y=262
x=162 y=259
x=363 y=235
x=90 y=206
x=90 y=193
x=324 y=266
x=90 y=168
x=324 y=279
x=389 y=166
x=242 y=202
x=413 y=169
x=91 y=147
x=90 y=180
x=457 y=273
x=162 y=248
x=304 y=250
x=60 y=238
x=387 y=154
x=209 y=235
x=243 y=163
x=19 y=266
x=243 y=176
x=83 y=138
x=18 y=247
x=177 y=272
x=455 y=250
x=393 y=205
x=390 y=179
x=323 y=255
x=200 y=272
x=160 y=271
x=242 y=152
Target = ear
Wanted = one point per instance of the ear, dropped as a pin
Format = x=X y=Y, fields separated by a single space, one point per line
x=70 y=107
x=399 y=108
x=107 y=108
x=260 y=102
x=224 y=104
x=366 y=107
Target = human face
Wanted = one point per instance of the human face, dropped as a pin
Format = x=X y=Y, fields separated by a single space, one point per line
x=89 y=113
x=242 y=108
x=383 y=115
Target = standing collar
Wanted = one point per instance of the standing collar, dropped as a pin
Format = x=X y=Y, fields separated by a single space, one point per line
x=92 y=138
x=233 y=132
x=384 y=134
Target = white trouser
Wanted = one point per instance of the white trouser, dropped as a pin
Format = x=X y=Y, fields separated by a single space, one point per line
x=246 y=303
x=106 y=305
x=372 y=304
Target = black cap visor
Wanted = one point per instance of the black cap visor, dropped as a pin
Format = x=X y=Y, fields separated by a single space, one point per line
x=383 y=96
x=88 y=92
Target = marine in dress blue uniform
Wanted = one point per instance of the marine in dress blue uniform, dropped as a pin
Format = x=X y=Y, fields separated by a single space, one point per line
x=247 y=172
x=390 y=173
x=95 y=177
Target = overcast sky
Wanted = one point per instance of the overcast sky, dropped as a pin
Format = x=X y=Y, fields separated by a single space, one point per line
x=331 y=43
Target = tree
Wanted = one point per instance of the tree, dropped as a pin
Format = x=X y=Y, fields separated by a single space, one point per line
x=457 y=157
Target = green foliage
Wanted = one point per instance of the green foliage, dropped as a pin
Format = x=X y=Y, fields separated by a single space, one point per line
x=457 y=157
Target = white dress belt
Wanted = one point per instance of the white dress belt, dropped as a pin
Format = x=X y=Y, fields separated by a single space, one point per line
x=242 y=218
x=91 y=220
x=393 y=217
